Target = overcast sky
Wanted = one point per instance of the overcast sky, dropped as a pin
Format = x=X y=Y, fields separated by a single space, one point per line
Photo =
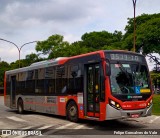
x=22 y=21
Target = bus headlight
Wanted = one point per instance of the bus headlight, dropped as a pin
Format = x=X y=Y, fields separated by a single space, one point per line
x=149 y=103
x=114 y=104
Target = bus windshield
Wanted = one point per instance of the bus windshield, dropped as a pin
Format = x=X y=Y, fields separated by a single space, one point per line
x=129 y=78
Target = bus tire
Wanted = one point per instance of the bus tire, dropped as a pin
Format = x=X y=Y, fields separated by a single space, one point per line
x=72 y=112
x=20 y=106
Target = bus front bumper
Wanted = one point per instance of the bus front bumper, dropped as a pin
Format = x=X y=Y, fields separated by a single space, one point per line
x=112 y=113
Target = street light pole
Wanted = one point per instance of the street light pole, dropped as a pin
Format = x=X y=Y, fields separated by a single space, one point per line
x=134 y=40
x=18 y=48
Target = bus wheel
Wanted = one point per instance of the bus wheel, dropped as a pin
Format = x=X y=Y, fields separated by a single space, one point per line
x=20 y=106
x=72 y=112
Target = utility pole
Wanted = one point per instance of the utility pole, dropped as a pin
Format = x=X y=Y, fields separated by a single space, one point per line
x=134 y=39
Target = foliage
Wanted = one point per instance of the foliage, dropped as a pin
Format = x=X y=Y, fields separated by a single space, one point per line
x=31 y=58
x=155 y=76
x=4 y=66
x=156 y=104
x=54 y=46
x=147 y=34
x=102 y=40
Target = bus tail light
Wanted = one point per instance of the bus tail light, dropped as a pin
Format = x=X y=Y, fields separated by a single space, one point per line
x=115 y=104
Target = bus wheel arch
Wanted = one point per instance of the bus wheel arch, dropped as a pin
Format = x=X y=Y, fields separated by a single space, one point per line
x=20 y=106
x=72 y=111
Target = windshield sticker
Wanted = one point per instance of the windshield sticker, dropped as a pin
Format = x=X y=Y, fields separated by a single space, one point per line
x=137 y=89
x=145 y=90
x=126 y=65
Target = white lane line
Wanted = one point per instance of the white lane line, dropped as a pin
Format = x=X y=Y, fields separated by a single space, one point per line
x=79 y=127
x=151 y=121
x=28 y=127
x=65 y=126
x=45 y=127
x=16 y=119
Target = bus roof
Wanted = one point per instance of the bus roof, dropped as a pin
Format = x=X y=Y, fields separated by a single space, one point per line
x=36 y=65
x=59 y=60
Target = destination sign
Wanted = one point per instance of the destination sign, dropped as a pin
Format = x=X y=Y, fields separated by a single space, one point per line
x=126 y=57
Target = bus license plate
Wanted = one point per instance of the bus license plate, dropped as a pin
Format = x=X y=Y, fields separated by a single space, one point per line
x=135 y=115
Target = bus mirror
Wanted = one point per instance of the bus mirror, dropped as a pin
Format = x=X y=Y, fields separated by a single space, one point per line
x=108 y=69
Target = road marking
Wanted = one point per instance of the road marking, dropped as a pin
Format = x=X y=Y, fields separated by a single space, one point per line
x=65 y=126
x=79 y=127
x=28 y=127
x=45 y=127
x=16 y=119
x=151 y=121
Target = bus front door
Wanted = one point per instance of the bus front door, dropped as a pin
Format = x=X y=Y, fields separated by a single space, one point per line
x=13 y=91
x=93 y=90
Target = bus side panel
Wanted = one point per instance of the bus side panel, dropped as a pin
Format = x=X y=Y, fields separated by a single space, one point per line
x=42 y=104
x=7 y=101
x=46 y=104
x=29 y=102
x=80 y=103
x=62 y=105
x=4 y=88
x=102 y=111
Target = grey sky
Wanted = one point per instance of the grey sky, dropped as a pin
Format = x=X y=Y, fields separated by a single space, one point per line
x=23 y=21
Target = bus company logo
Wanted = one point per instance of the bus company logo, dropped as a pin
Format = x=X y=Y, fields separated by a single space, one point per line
x=134 y=97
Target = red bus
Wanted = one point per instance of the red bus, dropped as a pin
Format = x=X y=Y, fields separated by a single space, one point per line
x=101 y=85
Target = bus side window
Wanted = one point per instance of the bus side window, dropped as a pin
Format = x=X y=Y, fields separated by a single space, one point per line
x=39 y=80
x=8 y=85
x=21 y=84
x=30 y=82
x=61 y=79
x=50 y=80
x=75 y=79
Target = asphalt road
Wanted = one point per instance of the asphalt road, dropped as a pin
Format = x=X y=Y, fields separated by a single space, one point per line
x=57 y=126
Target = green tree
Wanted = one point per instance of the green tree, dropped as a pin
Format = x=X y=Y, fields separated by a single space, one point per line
x=155 y=76
x=15 y=65
x=77 y=48
x=147 y=34
x=102 y=40
x=54 y=46
x=31 y=58
x=4 y=66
